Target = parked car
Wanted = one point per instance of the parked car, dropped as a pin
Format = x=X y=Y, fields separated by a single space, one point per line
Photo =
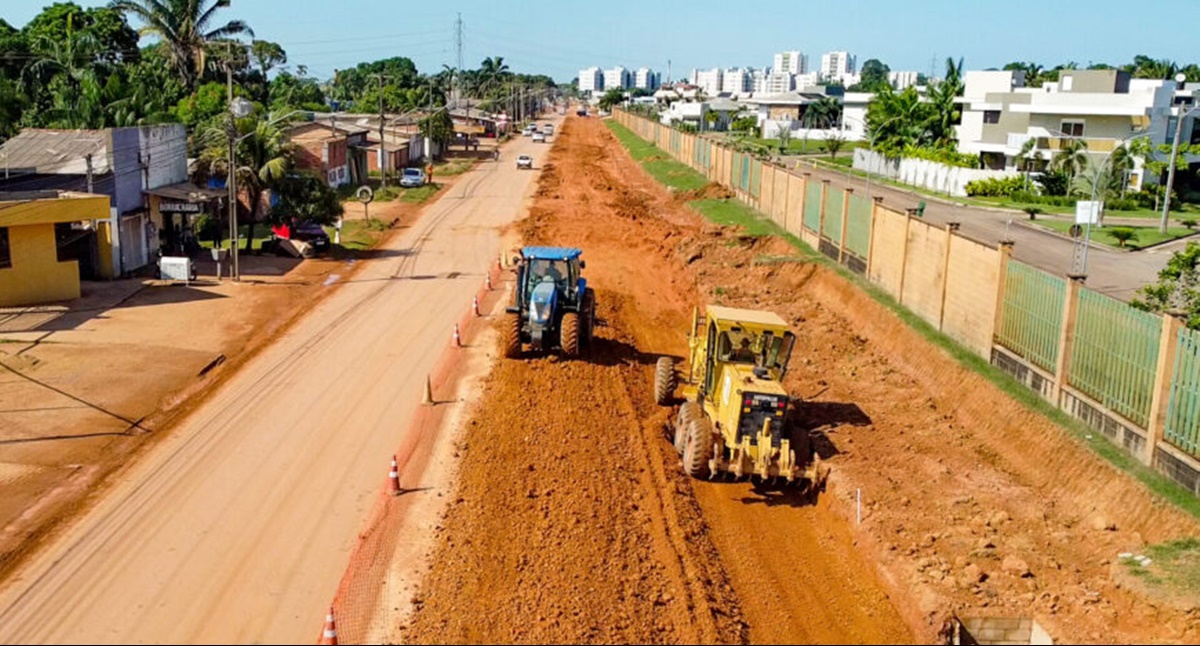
x=539 y=137
x=312 y=235
x=525 y=161
x=548 y=128
x=529 y=130
x=412 y=178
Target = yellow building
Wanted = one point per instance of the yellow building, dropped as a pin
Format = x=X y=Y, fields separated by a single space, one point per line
x=30 y=271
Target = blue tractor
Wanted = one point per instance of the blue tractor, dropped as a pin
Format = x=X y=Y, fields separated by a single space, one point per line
x=554 y=308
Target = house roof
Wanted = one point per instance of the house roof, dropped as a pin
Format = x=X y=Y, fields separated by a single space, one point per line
x=46 y=207
x=185 y=192
x=57 y=152
x=342 y=128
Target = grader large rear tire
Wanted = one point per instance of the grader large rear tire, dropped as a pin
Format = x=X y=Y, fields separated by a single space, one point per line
x=664 y=381
x=570 y=334
x=688 y=412
x=699 y=448
x=511 y=336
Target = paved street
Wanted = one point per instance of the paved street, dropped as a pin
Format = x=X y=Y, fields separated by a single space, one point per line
x=1116 y=273
x=238 y=526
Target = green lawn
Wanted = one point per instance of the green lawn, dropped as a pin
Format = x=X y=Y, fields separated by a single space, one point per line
x=1146 y=236
x=262 y=232
x=798 y=146
x=419 y=195
x=657 y=162
x=358 y=235
x=731 y=212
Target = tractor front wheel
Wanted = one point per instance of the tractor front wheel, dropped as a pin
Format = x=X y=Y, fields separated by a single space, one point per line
x=511 y=336
x=699 y=447
x=664 y=381
x=570 y=334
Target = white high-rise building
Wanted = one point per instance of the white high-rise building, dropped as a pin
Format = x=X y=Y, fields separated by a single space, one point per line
x=617 y=77
x=806 y=80
x=737 y=81
x=792 y=62
x=591 y=80
x=835 y=66
x=901 y=80
x=708 y=80
x=646 y=79
x=778 y=82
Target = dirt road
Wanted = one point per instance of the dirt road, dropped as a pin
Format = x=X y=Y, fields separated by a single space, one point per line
x=236 y=528
x=572 y=523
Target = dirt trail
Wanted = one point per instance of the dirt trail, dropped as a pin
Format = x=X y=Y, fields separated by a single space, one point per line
x=573 y=522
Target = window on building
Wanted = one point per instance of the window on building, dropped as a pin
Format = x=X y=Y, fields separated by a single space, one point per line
x=991 y=116
x=1072 y=128
x=5 y=252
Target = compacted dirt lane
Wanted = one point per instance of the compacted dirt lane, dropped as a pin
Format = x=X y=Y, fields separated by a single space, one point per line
x=573 y=523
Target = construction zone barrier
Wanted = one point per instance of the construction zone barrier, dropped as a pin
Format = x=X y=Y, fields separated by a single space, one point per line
x=371 y=589
x=329 y=633
x=394 y=478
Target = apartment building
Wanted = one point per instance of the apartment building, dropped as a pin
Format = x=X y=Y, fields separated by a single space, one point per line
x=902 y=80
x=646 y=79
x=1103 y=108
x=591 y=80
x=836 y=66
x=792 y=62
x=617 y=77
x=737 y=81
x=709 y=81
x=774 y=83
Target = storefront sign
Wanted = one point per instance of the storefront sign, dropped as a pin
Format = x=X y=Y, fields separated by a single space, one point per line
x=180 y=207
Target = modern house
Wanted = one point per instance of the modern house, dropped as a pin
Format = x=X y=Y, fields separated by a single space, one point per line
x=32 y=268
x=130 y=166
x=1102 y=108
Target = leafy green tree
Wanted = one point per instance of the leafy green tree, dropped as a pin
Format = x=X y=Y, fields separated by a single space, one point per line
x=1071 y=158
x=184 y=27
x=611 y=98
x=1178 y=288
x=208 y=101
x=833 y=143
x=305 y=197
x=267 y=55
x=945 y=112
x=295 y=92
x=439 y=127
x=359 y=85
x=14 y=51
x=148 y=91
x=67 y=80
x=873 y=76
x=115 y=41
x=12 y=103
x=1028 y=158
x=898 y=120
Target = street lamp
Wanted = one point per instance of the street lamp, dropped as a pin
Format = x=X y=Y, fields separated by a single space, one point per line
x=1079 y=264
x=239 y=108
x=1179 y=78
x=870 y=143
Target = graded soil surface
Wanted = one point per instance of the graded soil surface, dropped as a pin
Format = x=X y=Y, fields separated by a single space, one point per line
x=572 y=521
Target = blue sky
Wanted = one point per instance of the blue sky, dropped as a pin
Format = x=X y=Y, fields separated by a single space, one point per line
x=559 y=38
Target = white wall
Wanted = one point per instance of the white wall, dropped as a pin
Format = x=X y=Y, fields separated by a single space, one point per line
x=923 y=173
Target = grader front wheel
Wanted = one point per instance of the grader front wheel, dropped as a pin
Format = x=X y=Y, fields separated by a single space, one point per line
x=699 y=447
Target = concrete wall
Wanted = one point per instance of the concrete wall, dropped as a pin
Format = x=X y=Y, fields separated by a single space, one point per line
x=923 y=173
x=36 y=276
x=888 y=249
x=923 y=270
x=972 y=281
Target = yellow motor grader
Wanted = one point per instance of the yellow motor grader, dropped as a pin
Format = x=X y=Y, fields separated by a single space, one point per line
x=734 y=416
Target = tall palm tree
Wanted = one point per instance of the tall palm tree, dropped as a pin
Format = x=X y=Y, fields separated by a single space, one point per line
x=70 y=74
x=184 y=27
x=943 y=99
x=1072 y=157
x=1028 y=158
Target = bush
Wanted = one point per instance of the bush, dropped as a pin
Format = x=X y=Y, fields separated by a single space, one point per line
x=1055 y=182
x=1123 y=235
x=995 y=186
x=943 y=156
x=1025 y=197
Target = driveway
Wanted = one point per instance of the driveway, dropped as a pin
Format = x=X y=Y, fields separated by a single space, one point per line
x=237 y=526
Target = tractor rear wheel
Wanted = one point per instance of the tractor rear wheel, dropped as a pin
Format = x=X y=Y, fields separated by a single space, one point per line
x=511 y=336
x=664 y=381
x=588 y=311
x=699 y=447
x=570 y=334
x=688 y=412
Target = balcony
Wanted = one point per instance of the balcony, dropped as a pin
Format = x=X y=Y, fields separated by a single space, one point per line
x=1055 y=144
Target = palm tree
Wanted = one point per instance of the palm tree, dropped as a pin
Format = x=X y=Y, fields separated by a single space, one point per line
x=70 y=74
x=943 y=97
x=1072 y=157
x=264 y=158
x=184 y=27
x=1028 y=158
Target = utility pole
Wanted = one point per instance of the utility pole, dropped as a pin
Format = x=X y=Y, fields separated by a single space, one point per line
x=234 y=273
x=90 y=186
x=382 y=118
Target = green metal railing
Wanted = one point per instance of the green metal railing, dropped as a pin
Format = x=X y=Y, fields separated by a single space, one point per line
x=1183 y=410
x=858 y=226
x=812 y=206
x=832 y=228
x=1031 y=318
x=1114 y=354
x=755 y=186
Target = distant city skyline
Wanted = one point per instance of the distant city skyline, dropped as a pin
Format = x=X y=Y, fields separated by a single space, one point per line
x=559 y=40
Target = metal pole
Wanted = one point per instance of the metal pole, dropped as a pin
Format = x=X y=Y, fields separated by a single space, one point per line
x=232 y=179
x=1162 y=227
x=382 y=155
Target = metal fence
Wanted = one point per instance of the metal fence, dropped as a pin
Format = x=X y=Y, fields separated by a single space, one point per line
x=1114 y=354
x=858 y=226
x=1031 y=321
x=832 y=227
x=812 y=206
x=1183 y=412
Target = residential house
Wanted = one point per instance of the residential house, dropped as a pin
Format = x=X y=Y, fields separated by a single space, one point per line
x=333 y=147
x=128 y=165
x=32 y=268
x=696 y=113
x=1102 y=108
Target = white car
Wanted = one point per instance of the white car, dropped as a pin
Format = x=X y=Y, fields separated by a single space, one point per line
x=548 y=129
x=525 y=161
x=539 y=137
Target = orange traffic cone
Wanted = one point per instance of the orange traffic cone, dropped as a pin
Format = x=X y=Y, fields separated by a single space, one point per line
x=427 y=396
x=329 y=635
x=457 y=337
x=487 y=281
x=394 y=478
x=475 y=305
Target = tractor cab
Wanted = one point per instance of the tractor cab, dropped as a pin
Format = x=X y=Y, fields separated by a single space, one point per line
x=553 y=305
